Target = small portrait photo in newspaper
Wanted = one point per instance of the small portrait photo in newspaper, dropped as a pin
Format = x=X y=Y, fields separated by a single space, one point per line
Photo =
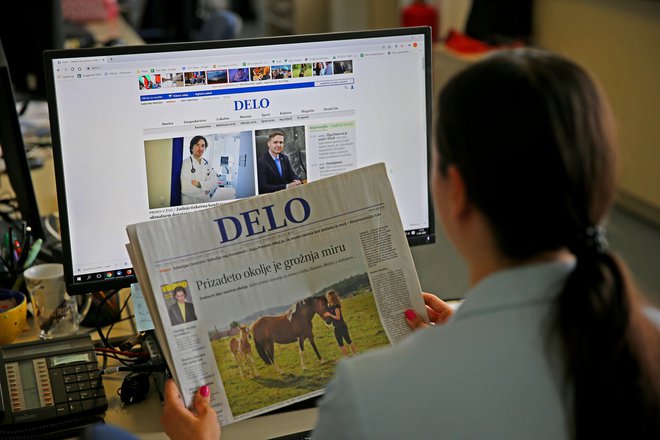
x=180 y=307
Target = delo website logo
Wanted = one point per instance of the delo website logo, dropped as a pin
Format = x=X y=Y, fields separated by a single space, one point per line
x=251 y=104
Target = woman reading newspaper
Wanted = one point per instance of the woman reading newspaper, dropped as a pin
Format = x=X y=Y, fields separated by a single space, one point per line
x=551 y=341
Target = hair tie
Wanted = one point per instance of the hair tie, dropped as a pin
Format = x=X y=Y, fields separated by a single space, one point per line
x=595 y=239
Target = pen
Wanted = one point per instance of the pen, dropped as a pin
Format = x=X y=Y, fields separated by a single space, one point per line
x=10 y=247
x=32 y=254
x=10 y=257
x=25 y=245
x=30 y=257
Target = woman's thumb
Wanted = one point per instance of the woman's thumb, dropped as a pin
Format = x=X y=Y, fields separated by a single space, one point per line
x=202 y=399
x=413 y=320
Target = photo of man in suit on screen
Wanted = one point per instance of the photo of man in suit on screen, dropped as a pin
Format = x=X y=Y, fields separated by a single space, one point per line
x=274 y=168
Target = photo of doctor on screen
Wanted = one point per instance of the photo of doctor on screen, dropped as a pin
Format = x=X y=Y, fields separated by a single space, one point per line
x=198 y=178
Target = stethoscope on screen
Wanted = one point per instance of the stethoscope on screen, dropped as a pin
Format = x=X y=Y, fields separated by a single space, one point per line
x=192 y=166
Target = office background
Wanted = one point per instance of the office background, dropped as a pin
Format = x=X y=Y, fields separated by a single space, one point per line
x=616 y=40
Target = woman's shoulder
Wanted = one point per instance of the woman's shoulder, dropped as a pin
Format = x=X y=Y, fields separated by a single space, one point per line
x=443 y=371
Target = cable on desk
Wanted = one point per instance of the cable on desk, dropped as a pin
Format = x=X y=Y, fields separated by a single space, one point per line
x=137 y=354
x=105 y=338
x=99 y=308
x=124 y=360
x=51 y=229
x=134 y=389
x=147 y=367
x=121 y=310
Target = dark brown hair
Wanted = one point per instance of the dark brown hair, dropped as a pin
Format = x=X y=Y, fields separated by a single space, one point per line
x=274 y=133
x=532 y=136
x=179 y=289
x=196 y=139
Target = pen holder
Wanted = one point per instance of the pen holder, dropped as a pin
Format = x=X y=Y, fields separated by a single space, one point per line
x=8 y=278
x=57 y=313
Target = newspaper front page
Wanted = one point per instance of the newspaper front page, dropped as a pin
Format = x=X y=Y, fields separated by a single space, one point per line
x=259 y=298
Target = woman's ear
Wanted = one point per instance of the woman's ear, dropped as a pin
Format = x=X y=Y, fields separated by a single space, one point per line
x=456 y=192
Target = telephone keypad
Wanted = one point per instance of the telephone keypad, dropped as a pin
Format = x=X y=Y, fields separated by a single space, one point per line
x=82 y=386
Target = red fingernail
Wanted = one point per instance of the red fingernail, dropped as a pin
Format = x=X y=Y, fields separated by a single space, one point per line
x=410 y=314
x=205 y=390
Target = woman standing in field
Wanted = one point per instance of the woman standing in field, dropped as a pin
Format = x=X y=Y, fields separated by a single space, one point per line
x=341 y=329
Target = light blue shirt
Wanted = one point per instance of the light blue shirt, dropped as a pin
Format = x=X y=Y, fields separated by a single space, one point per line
x=487 y=373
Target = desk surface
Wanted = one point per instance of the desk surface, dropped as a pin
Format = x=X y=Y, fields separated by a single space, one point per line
x=143 y=419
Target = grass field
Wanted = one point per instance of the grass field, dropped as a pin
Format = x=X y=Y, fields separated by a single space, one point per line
x=247 y=394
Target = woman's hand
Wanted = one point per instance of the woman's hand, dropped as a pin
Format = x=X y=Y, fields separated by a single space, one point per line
x=180 y=423
x=438 y=311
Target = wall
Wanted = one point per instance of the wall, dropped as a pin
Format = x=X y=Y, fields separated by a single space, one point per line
x=619 y=42
x=352 y=15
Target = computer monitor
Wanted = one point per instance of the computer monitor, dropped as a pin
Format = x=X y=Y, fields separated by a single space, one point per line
x=27 y=29
x=125 y=120
x=13 y=153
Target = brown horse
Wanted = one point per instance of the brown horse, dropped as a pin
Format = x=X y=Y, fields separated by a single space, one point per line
x=293 y=325
x=241 y=350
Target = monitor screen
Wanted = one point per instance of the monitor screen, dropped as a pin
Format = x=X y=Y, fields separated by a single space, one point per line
x=147 y=132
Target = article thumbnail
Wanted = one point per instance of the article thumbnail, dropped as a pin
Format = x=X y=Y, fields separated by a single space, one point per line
x=198 y=169
x=260 y=73
x=344 y=66
x=302 y=70
x=322 y=68
x=239 y=75
x=170 y=80
x=148 y=82
x=179 y=304
x=194 y=78
x=286 y=145
x=281 y=71
x=216 y=76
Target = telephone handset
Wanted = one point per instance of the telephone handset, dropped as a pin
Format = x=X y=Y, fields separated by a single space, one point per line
x=50 y=389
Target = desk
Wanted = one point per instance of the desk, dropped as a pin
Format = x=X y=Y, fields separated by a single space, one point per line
x=143 y=419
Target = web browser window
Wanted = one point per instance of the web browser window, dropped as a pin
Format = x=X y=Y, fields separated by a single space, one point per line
x=148 y=132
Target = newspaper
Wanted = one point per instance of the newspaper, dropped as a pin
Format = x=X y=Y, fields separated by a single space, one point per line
x=254 y=277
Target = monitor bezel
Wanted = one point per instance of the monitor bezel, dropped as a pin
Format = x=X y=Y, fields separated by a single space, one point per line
x=49 y=56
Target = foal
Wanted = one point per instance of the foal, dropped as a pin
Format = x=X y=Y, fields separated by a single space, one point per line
x=241 y=350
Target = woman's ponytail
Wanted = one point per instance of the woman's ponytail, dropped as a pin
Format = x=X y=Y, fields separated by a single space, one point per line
x=609 y=390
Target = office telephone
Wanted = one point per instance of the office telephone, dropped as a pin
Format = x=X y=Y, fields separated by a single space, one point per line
x=50 y=389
